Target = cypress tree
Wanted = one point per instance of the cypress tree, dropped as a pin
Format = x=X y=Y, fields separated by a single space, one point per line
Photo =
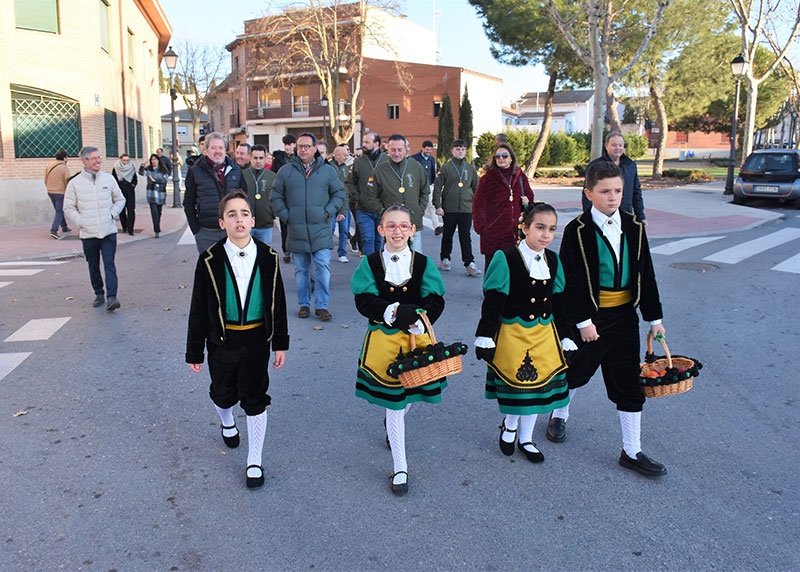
x=446 y=130
x=465 y=122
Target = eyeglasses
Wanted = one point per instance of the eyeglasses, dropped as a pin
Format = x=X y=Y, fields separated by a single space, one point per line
x=502 y=156
x=391 y=227
x=304 y=146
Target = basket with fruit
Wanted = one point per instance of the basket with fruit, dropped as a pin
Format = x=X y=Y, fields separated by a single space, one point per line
x=666 y=375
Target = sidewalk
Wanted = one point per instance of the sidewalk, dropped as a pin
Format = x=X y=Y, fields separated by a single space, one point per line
x=678 y=212
x=34 y=242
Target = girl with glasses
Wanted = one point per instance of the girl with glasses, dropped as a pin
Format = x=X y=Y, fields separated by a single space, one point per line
x=498 y=202
x=390 y=287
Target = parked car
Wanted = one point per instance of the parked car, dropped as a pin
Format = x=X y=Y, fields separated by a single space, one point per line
x=769 y=173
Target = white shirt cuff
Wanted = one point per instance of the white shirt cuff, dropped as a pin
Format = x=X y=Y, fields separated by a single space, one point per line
x=388 y=313
x=484 y=342
x=584 y=324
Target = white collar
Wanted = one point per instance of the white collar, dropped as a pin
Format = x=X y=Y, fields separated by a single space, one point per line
x=233 y=251
x=397 y=265
x=536 y=261
x=601 y=220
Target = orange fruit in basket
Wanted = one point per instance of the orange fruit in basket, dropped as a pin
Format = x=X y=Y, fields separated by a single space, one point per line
x=651 y=374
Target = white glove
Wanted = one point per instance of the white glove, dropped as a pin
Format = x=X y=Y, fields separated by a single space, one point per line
x=568 y=345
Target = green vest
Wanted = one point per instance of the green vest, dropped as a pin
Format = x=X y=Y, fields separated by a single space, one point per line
x=612 y=277
x=254 y=305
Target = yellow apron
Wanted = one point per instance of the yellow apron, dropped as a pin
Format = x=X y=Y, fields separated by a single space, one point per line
x=381 y=348
x=527 y=357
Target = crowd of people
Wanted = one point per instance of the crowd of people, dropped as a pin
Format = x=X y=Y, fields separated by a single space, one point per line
x=548 y=320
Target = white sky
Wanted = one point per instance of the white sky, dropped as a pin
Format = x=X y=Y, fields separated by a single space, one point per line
x=460 y=33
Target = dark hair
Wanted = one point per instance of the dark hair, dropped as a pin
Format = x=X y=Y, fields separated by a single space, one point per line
x=375 y=137
x=459 y=143
x=245 y=144
x=288 y=139
x=396 y=208
x=61 y=155
x=258 y=147
x=613 y=134
x=600 y=170
x=201 y=139
x=396 y=137
x=427 y=143
x=510 y=149
x=308 y=134
x=162 y=168
x=234 y=194
x=501 y=137
x=530 y=211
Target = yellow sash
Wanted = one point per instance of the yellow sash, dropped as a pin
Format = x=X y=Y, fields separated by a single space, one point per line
x=527 y=357
x=614 y=298
x=381 y=348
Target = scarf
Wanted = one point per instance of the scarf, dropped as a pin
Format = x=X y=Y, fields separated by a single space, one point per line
x=126 y=172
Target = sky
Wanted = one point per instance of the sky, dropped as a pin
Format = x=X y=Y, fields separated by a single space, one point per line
x=459 y=30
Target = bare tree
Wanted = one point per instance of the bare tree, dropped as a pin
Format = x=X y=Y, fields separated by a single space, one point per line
x=595 y=48
x=762 y=21
x=322 y=39
x=200 y=67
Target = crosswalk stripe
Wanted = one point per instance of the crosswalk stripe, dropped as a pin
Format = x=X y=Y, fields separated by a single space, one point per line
x=33 y=263
x=187 y=237
x=789 y=265
x=41 y=329
x=5 y=284
x=9 y=361
x=21 y=272
x=683 y=244
x=752 y=247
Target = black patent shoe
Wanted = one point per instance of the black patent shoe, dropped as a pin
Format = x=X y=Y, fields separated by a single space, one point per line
x=254 y=482
x=642 y=464
x=533 y=456
x=233 y=441
x=506 y=448
x=556 y=429
x=399 y=489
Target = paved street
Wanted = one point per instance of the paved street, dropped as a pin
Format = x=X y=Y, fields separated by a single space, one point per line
x=112 y=457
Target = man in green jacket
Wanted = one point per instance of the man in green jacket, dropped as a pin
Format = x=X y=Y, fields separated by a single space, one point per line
x=367 y=219
x=307 y=195
x=400 y=181
x=259 y=185
x=452 y=196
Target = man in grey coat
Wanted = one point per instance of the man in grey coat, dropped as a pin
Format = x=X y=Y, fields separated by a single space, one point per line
x=307 y=194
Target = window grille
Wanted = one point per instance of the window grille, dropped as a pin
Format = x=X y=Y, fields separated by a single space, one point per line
x=44 y=122
x=112 y=137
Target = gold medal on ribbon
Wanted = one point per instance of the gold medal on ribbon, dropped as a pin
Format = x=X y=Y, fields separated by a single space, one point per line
x=258 y=196
x=460 y=184
x=402 y=189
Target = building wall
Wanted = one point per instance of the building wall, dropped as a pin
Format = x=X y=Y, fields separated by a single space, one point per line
x=486 y=96
x=73 y=64
x=394 y=38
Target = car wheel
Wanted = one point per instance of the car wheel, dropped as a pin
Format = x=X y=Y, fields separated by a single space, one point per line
x=737 y=200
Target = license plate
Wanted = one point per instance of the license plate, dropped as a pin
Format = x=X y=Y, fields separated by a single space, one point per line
x=766 y=189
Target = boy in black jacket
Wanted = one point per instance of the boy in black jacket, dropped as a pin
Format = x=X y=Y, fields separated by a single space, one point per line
x=238 y=311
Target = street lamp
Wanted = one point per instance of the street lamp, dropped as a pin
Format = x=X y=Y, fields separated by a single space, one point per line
x=324 y=103
x=739 y=69
x=171 y=60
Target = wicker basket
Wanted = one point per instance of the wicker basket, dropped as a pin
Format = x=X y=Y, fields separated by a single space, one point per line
x=665 y=363
x=433 y=371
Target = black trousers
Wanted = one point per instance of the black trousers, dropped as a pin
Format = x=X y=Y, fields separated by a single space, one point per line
x=127 y=216
x=617 y=353
x=239 y=371
x=462 y=222
x=155 y=214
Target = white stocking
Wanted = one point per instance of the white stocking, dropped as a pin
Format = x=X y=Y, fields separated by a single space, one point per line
x=396 y=430
x=631 y=424
x=526 y=423
x=510 y=422
x=227 y=420
x=256 y=430
x=563 y=412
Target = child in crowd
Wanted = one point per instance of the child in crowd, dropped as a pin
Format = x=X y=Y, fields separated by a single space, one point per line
x=390 y=286
x=518 y=335
x=609 y=274
x=238 y=311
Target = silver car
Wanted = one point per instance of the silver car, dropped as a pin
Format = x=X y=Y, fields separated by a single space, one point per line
x=769 y=174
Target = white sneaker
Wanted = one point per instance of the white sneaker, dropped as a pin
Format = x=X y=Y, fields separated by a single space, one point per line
x=343 y=259
x=472 y=270
x=445 y=265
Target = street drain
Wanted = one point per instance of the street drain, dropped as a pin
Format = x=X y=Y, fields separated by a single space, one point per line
x=66 y=257
x=700 y=267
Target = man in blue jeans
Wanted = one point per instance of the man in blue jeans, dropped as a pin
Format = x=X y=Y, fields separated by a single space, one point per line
x=306 y=195
x=91 y=203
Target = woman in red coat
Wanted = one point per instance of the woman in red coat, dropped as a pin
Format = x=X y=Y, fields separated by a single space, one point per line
x=498 y=201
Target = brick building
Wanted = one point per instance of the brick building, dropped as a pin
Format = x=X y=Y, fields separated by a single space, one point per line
x=75 y=73
x=250 y=106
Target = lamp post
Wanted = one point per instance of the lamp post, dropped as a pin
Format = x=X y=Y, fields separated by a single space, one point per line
x=739 y=69
x=324 y=103
x=171 y=60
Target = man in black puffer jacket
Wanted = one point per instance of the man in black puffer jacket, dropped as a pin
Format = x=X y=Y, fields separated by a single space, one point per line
x=212 y=177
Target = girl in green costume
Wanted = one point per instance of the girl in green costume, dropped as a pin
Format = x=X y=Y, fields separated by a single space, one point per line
x=390 y=286
x=517 y=334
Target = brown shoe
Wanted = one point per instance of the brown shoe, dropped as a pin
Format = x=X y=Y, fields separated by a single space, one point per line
x=323 y=315
x=304 y=312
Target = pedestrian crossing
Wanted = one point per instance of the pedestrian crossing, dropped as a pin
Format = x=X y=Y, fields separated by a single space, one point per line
x=741 y=251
